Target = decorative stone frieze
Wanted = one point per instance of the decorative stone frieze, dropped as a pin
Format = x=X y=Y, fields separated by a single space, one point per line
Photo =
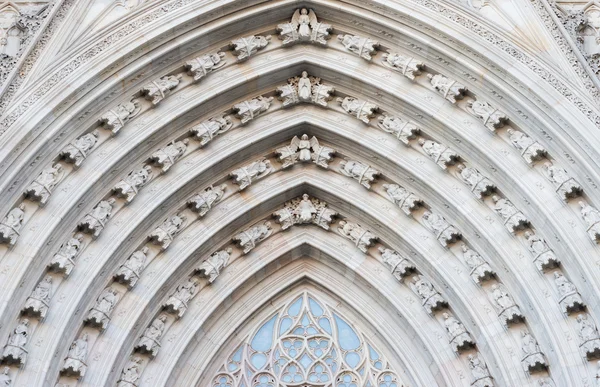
x=164 y=234
x=533 y=359
x=431 y=299
x=64 y=260
x=361 y=237
x=304 y=210
x=10 y=227
x=566 y=186
x=129 y=187
x=160 y=89
x=248 y=110
x=247 y=174
x=591 y=217
x=213 y=265
x=204 y=201
x=116 y=118
x=544 y=257
x=304 y=27
x=361 y=46
x=94 y=222
x=460 y=339
x=407 y=66
x=401 y=197
x=207 y=130
x=305 y=89
x=530 y=150
x=480 y=185
x=445 y=233
x=450 y=89
x=402 y=129
x=130 y=271
x=363 y=173
x=247 y=46
x=14 y=351
x=252 y=236
x=41 y=188
x=440 y=154
x=491 y=117
x=302 y=150
x=99 y=315
x=78 y=150
x=508 y=311
x=166 y=157
x=569 y=298
x=363 y=110
x=201 y=66
x=399 y=266
x=513 y=219
x=149 y=342
x=38 y=302
x=480 y=375
x=480 y=270
x=178 y=302
x=75 y=362
x=589 y=340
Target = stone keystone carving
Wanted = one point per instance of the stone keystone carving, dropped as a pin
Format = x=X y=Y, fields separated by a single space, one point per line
x=304 y=210
x=508 y=311
x=245 y=175
x=99 y=315
x=480 y=374
x=440 y=154
x=444 y=232
x=5 y=379
x=533 y=359
x=131 y=374
x=544 y=257
x=164 y=234
x=530 y=150
x=64 y=260
x=129 y=187
x=566 y=186
x=166 y=157
x=179 y=300
x=363 y=110
x=129 y=272
x=514 y=219
x=209 y=129
x=38 y=302
x=479 y=184
x=305 y=150
x=201 y=66
x=305 y=89
x=360 y=172
x=116 y=118
x=460 y=339
x=160 y=89
x=588 y=336
x=591 y=216
x=569 y=298
x=10 y=226
x=399 y=266
x=407 y=66
x=204 y=201
x=77 y=150
x=431 y=299
x=43 y=185
x=480 y=269
x=149 y=342
x=407 y=201
x=304 y=27
x=248 y=110
x=361 y=46
x=403 y=130
x=94 y=222
x=212 y=266
x=247 y=46
x=492 y=118
x=75 y=361
x=249 y=238
x=448 y=88
x=362 y=238
x=14 y=351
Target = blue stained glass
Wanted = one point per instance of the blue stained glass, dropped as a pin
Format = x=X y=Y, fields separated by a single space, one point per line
x=285 y=324
x=325 y=324
x=305 y=361
x=305 y=321
x=374 y=355
x=315 y=308
x=258 y=360
x=263 y=340
x=294 y=309
x=347 y=338
x=352 y=359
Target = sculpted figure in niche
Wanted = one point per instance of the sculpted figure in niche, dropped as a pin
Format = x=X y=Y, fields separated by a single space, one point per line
x=115 y=119
x=303 y=211
x=75 y=360
x=247 y=46
x=77 y=151
x=14 y=351
x=448 y=88
x=591 y=216
x=249 y=238
x=149 y=342
x=362 y=238
x=407 y=66
x=480 y=185
x=41 y=188
x=99 y=315
x=129 y=187
x=530 y=150
x=248 y=110
x=305 y=89
x=479 y=371
x=360 y=172
x=304 y=27
x=5 y=380
x=509 y=312
x=514 y=219
x=544 y=257
x=131 y=373
x=403 y=130
x=363 y=110
x=203 y=65
x=94 y=222
x=588 y=335
x=38 y=302
x=11 y=225
x=361 y=46
x=399 y=266
x=245 y=175
x=178 y=301
x=460 y=339
x=431 y=299
x=305 y=150
x=209 y=129
x=407 y=201
x=212 y=266
x=166 y=157
x=492 y=118
x=480 y=269
x=160 y=89
x=444 y=232
x=533 y=358
x=164 y=234
x=129 y=272
x=204 y=201
x=566 y=186
x=440 y=154
x=569 y=298
x=64 y=259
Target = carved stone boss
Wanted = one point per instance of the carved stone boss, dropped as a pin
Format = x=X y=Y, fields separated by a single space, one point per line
x=304 y=210
x=304 y=150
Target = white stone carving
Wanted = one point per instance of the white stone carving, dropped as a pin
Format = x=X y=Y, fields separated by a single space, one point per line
x=166 y=157
x=209 y=129
x=508 y=311
x=99 y=315
x=304 y=150
x=513 y=219
x=360 y=172
x=116 y=118
x=402 y=129
x=149 y=342
x=252 y=236
x=407 y=66
x=431 y=299
x=178 y=302
x=569 y=298
x=448 y=88
x=444 y=232
x=440 y=154
x=204 y=201
x=93 y=223
x=247 y=46
x=38 y=302
x=160 y=89
x=361 y=46
x=131 y=374
x=362 y=238
x=406 y=200
x=399 y=266
x=492 y=118
x=201 y=66
x=164 y=234
x=247 y=174
x=591 y=216
x=304 y=27
x=305 y=89
x=544 y=257
x=129 y=187
x=460 y=339
x=14 y=351
x=78 y=150
x=75 y=361
x=5 y=379
x=304 y=210
x=363 y=110
x=64 y=260
x=129 y=272
x=212 y=266
x=480 y=270
x=10 y=227
x=479 y=372
x=530 y=150
x=588 y=34
x=546 y=382
x=588 y=336
x=43 y=185
x=566 y=186
x=533 y=359
x=248 y=110
x=479 y=184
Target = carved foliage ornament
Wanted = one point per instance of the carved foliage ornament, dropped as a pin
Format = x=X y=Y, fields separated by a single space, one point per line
x=304 y=27
x=304 y=150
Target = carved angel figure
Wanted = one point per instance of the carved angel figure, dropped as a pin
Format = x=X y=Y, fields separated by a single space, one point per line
x=75 y=360
x=480 y=269
x=460 y=339
x=304 y=89
x=78 y=149
x=304 y=27
x=588 y=336
x=209 y=129
x=533 y=358
x=591 y=216
x=248 y=110
x=399 y=266
x=305 y=150
x=514 y=219
x=11 y=225
x=99 y=314
x=440 y=154
x=149 y=342
x=444 y=232
x=566 y=186
x=179 y=300
x=530 y=150
x=164 y=234
x=479 y=372
x=14 y=351
x=361 y=46
x=64 y=259
x=160 y=89
x=212 y=266
x=43 y=185
x=406 y=200
x=479 y=184
x=363 y=110
x=362 y=238
x=129 y=187
x=130 y=376
x=129 y=272
x=448 y=88
x=303 y=211
x=166 y=157
x=38 y=302
x=249 y=238
x=509 y=312
x=203 y=65
x=569 y=298
x=247 y=46
x=544 y=257
x=403 y=130
x=5 y=379
x=407 y=66
x=203 y=202
x=245 y=175
x=431 y=299
x=93 y=223
x=492 y=118
x=360 y=172
x=116 y=118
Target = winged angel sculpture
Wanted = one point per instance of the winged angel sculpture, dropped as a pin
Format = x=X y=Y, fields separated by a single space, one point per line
x=304 y=27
